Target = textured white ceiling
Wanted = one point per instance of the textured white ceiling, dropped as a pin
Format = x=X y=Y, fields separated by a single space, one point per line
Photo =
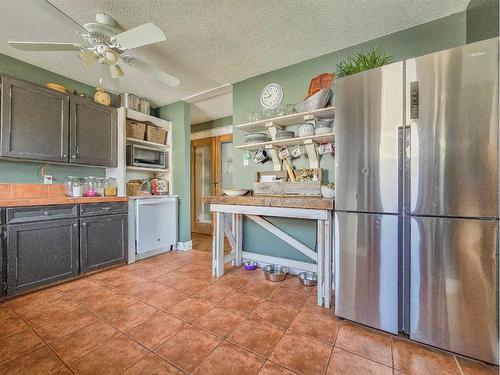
x=214 y=42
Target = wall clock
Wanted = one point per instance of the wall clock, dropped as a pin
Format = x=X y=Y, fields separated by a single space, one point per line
x=271 y=96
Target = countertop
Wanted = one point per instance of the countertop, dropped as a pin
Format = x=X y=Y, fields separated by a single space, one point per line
x=316 y=203
x=57 y=200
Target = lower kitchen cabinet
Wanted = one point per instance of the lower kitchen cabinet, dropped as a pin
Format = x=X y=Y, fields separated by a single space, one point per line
x=41 y=253
x=103 y=241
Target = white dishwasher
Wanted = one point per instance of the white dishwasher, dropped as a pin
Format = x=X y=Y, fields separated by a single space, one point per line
x=154 y=225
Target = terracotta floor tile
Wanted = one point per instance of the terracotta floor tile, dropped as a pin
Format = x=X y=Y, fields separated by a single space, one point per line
x=125 y=281
x=146 y=290
x=112 y=358
x=148 y=271
x=152 y=365
x=93 y=296
x=172 y=278
x=260 y=288
x=191 y=309
x=167 y=298
x=220 y=321
x=318 y=323
x=229 y=359
x=215 y=293
x=84 y=283
x=302 y=354
x=190 y=286
x=243 y=302
x=63 y=371
x=188 y=347
x=39 y=362
x=293 y=282
x=470 y=367
x=345 y=363
x=50 y=312
x=257 y=336
x=275 y=313
x=365 y=342
x=156 y=330
x=34 y=300
x=83 y=341
x=232 y=281
x=111 y=304
x=289 y=297
x=419 y=359
x=271 y=368
x=66 y=324
x=10 y=322
x=131 y=315
x=18 y=344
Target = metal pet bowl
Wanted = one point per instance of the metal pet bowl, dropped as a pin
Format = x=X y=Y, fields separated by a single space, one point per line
x=250 y=265
x=308 y=278
x=275 y=273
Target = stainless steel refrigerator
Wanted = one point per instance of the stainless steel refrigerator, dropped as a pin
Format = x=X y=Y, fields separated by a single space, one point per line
x=416 y=226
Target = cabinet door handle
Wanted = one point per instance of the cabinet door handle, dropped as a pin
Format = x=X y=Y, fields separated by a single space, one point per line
x=46 y=213
x=75 y=225
x=84 y=224
x=77 y=150
x=106 y=208
x=73 y=156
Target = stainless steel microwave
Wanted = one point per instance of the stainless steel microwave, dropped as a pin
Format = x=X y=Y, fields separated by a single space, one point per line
x=142 y=156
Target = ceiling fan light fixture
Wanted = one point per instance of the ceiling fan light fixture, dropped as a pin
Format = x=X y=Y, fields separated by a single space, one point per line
x=89 y=58
x=111 y=57
x=115 y=71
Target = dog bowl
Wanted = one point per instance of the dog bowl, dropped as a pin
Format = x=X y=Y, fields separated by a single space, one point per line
x=250 y=265
x=308 y=278
x=275 y=273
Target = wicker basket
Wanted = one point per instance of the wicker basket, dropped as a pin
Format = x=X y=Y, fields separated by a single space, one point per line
x=134 y=188
x=156 y=134
x=136 y=130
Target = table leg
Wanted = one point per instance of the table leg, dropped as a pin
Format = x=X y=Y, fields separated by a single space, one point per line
x=238 y=237
x=219 y=240
x=328 y=262
x=321 y=253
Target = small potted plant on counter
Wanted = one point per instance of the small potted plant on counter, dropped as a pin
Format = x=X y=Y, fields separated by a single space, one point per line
x=328 y=190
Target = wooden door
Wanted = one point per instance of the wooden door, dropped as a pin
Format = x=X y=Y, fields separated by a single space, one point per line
x=34 y=122
x=211 y=172
x=93 y=133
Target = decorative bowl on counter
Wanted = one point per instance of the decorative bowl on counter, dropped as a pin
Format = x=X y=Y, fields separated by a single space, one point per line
x=250 y=265
x=308 y=278
x=314 y=102
x=235 y=192
x=274 y=272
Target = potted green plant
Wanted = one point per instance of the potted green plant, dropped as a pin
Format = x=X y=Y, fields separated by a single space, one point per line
x=374 y=58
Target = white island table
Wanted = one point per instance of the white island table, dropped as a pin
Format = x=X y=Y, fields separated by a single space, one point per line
x=256 y=208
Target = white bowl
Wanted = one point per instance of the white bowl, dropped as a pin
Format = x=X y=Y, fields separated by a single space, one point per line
x=234 y=192
x=327 y=192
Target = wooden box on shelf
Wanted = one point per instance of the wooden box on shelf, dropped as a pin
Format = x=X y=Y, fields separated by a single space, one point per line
x=282 y=187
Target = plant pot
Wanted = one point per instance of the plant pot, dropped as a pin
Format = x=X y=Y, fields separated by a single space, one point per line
x=327 y=192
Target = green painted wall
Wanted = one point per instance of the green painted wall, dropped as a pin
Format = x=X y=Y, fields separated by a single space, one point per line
x=28 y=172
x=437 y=35
x=482 y=20
x=179 y=114
x=224 y=121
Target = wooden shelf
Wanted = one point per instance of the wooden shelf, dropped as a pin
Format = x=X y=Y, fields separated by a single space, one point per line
x=147 y=143
x=144 y=169
x=323 y=138
x=293 y=119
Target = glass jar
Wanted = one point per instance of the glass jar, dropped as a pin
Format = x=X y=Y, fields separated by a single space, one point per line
x=99 y=186
x=68 y=185
x=110 y=189
x=89 y=186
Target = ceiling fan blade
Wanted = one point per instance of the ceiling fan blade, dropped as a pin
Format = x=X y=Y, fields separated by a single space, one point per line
x=140 y=36
x=89 y=58
x=45 y=46
x=48 y=8
x=152 y=71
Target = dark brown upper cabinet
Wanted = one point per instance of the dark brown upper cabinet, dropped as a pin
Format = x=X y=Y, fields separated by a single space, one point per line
x=45 y=125
x=92 y=133
x=34 y=122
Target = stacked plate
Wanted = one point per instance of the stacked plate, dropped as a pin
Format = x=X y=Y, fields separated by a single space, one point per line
x=285 y=134
x=255 y=138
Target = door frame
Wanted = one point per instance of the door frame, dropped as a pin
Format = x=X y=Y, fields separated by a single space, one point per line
x=216 y=143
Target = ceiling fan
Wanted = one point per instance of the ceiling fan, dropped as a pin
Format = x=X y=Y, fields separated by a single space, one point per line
x=103 y=44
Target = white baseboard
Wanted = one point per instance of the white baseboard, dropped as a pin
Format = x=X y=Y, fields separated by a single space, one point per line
x=184 y=246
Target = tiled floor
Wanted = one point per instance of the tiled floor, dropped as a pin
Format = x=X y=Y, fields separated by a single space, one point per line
x=167 y=315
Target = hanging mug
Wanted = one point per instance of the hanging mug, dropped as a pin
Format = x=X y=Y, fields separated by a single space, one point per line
x=296 y=151
x=261 y=156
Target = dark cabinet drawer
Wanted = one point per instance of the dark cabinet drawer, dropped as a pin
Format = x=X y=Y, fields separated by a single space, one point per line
x=37 y=213
x=2 y=218
x=93 y=209
x=41 y=253
x=103 y=241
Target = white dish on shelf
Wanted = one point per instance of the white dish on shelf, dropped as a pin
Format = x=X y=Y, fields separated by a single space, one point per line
x=235 y=192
